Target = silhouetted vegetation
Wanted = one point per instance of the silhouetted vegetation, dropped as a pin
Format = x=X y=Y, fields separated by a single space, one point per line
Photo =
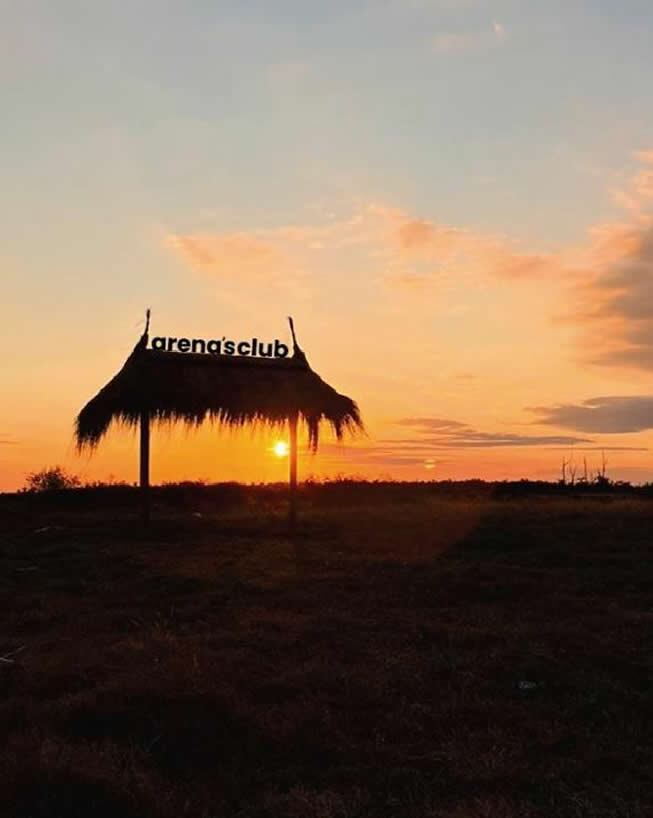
x=54 y=478
x=56 y=487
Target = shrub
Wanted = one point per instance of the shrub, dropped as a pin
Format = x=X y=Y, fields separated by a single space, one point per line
x=54 y=478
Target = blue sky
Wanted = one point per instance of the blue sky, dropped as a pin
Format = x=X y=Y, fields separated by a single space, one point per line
x=259 y=107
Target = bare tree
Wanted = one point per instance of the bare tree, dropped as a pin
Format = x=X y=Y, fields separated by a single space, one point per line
x=602 y=478
x=572 y=473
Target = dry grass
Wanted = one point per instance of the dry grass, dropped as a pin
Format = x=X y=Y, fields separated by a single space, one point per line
x=369 y=667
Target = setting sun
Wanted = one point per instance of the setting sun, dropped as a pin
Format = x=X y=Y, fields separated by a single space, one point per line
x=280 y=448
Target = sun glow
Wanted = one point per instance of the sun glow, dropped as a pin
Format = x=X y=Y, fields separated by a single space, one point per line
x=280 y=448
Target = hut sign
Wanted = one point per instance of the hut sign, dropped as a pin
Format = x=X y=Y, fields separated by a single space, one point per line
x=234 y=384
x=222 y=346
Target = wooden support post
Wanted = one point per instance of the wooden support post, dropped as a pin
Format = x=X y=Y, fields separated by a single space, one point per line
x=292 y=458
x=145 y=466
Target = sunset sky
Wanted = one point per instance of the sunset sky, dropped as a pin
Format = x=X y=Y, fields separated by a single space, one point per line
x=453 y=198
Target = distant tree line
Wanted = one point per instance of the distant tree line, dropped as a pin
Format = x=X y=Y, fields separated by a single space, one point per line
x=56 y=480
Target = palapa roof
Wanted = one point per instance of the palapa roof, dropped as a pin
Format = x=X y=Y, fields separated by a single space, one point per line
x=233 y=391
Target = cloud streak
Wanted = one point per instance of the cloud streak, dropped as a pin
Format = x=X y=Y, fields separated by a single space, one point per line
x=227 y=254
x=605 y=282
x=613 y=305
x=410 y=251
x=439 y=433
x=411 y=243
x=437 y=439
x=615 y=309
x=470 y=41
x=605 y=415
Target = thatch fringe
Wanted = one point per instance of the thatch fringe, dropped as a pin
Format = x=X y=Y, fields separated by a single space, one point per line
x=232 y=391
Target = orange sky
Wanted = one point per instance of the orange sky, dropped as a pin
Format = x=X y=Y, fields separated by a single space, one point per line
x=454 y=201
x=448 y=338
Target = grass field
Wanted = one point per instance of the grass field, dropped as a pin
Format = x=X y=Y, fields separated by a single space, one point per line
x=405 y=654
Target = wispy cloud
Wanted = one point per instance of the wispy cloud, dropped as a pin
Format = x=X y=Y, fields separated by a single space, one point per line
x=227 y=254
x=605 y=281
x=412 y=251
x=638 y=194
x=441 y=433
x=470 y=41
x=380 y=456
x=606 y=415
x=613 y=305
x=410 y=243
x=433 y=442
x=433 y=424
x=439 y=441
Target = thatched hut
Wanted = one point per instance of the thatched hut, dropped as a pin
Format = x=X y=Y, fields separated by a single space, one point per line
x=160 y=386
